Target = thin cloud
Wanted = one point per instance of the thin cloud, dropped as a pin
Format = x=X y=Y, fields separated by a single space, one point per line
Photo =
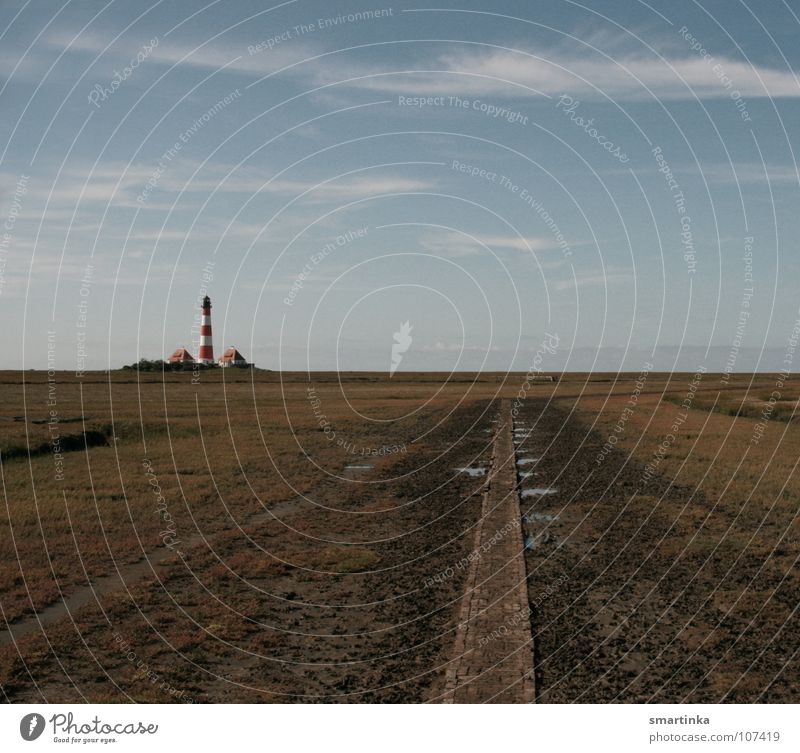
x=609 y=279
x=506 y=73
x=212 y=57
x=453 y=244
x=104 y=186
x=625 y=74
x=631 y=76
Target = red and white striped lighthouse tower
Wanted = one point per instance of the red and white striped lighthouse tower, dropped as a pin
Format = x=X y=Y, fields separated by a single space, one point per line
x=206 y=352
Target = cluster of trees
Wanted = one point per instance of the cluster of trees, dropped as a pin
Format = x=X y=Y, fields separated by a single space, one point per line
x=159 y=364
x=145 y=364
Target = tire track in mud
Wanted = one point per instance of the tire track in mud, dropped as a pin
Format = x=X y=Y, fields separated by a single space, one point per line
x=125 y=577
x=629 y=573
x=592 y=533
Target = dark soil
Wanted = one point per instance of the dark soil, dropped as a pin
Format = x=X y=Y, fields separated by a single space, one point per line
x=336 y=604
x=634 y=587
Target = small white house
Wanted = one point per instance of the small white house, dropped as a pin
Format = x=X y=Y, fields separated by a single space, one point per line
x=232 y=357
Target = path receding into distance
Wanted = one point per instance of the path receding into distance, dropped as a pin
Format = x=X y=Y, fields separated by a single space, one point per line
x=493 y=656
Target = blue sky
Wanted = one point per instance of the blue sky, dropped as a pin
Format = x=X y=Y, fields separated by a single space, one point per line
x=245 y=141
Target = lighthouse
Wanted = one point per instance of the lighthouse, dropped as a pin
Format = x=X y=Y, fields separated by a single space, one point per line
x=206 y=352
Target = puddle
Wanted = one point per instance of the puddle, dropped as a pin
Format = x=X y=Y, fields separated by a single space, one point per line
x=527 y=461
x=539 y=491
x=473 y=472
x=524 y=474
x=539 y=517
x=534 y=542
x=358 y=467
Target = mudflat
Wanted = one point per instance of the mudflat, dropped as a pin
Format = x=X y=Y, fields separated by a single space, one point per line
x=266 y=537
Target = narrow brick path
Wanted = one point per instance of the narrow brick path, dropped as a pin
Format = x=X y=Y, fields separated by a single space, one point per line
x=493 y=659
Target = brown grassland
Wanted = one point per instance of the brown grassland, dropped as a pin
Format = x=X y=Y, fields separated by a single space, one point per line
x=265 y=537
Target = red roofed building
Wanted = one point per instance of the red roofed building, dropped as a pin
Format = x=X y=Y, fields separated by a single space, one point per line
x=232 y=357
x=181 y=355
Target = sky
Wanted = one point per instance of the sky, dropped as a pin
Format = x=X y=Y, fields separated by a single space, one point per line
x=465 y=182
